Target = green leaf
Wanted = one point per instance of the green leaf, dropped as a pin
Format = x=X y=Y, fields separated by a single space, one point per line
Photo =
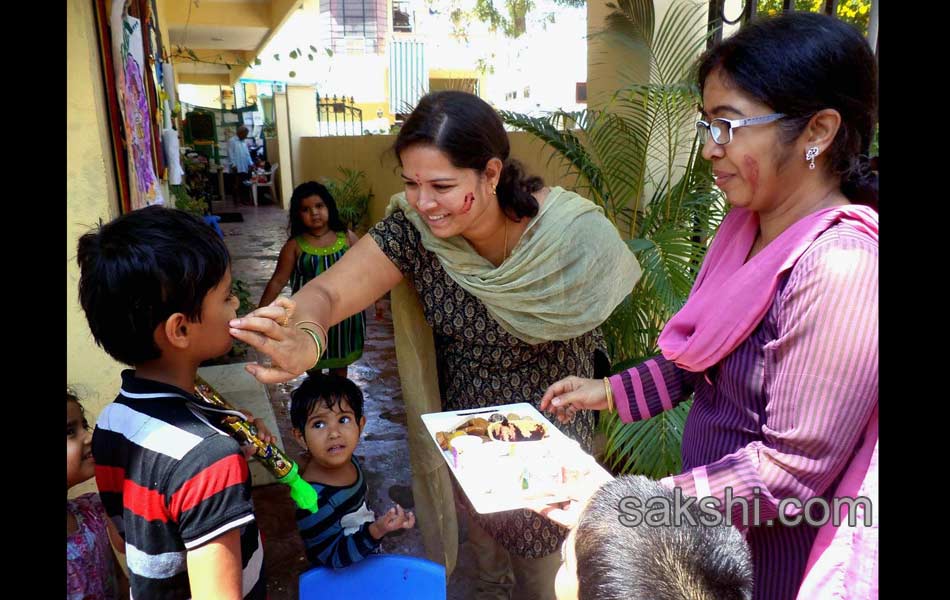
x=277 y=57
x=293 y=54
x=293 y=73
x=639 y=244
x=351 y=198
x=257 y=61
x=313 y=49
x=329 y=52
x=310 y=56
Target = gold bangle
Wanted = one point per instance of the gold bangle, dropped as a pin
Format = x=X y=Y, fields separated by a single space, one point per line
x=316 y=340
x=321 y=346
x=610 y=395
x=323 y=329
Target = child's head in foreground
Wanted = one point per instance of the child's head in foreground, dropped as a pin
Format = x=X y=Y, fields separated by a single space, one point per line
x=606 y=557
x=156 y=283
x=326 y=412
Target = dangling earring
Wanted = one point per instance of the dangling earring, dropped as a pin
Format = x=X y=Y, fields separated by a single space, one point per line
x=810 y=155
x=493 y=192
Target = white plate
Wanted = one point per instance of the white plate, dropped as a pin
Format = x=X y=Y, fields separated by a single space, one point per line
x=492 y=482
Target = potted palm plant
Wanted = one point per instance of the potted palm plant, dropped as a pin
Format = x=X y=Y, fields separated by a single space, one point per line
x=352 y=199
x=638 y=157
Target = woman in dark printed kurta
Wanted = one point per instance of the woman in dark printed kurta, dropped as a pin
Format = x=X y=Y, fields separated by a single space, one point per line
x=504 y=290
x=779 y=337
x=480 y=364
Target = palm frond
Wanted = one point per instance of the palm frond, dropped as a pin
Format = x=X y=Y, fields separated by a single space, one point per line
x=680 y=38
x=555 y=131
x=629 y=32
x=650 y=448
x=639 y=157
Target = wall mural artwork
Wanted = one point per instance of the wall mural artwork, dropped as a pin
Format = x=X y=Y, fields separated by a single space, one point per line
x=139 y=106
x=129 y=58
x=116 y=134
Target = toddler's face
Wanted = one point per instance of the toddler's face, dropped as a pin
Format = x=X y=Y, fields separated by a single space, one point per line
x=80 y=465
x=331 y=436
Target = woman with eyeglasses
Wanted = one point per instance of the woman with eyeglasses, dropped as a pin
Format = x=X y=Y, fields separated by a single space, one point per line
x=779 y=337
x=499 y=285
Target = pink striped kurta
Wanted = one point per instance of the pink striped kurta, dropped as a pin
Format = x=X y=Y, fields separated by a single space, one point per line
x=785 y=412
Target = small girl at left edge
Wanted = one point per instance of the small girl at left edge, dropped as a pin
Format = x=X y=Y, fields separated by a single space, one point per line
x=92 y=568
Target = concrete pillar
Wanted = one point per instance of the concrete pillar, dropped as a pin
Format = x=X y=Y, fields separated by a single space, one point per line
x=607 y=65
x=302 y=121
x=285 y=173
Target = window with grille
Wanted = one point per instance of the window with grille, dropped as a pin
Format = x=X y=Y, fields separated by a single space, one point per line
x=402 y=16
x=356 y=24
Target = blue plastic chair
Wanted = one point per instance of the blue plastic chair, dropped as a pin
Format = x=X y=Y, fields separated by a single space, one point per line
x=387 y=576
x=213 y=221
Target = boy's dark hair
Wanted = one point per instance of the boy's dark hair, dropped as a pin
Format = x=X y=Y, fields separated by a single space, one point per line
x=650 y=562
x=141 y=268
x=303 y=191
x=331 y=390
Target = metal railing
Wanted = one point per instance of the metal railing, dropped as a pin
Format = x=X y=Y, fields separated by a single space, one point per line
x=338 y=116
x=718 y=16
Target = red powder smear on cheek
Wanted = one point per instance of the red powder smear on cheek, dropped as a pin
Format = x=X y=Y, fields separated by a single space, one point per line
x=751 y=172
x=469 y=201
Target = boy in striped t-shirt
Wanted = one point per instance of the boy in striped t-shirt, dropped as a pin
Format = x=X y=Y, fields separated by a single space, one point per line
x=155 y=285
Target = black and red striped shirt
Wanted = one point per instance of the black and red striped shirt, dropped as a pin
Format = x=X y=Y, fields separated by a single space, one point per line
x=171 y=482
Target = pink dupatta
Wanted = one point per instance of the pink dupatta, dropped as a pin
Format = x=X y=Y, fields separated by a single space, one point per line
x=727 y=302
x=843 y=560
x=731 y=296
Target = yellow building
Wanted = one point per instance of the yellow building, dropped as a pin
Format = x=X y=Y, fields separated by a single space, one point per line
x=232 y=31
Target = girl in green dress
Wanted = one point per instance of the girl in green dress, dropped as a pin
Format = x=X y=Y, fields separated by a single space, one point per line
x=318 y=238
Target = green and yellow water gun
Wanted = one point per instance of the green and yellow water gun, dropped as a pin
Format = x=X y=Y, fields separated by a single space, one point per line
x=272 y=457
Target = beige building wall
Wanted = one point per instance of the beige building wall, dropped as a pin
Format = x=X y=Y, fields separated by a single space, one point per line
x=91 y=197
x=606 y=63
x=610 y=67
x=302 y=119
x=285 y=174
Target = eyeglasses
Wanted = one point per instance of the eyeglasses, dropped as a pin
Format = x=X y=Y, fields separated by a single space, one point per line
x=721 y=129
